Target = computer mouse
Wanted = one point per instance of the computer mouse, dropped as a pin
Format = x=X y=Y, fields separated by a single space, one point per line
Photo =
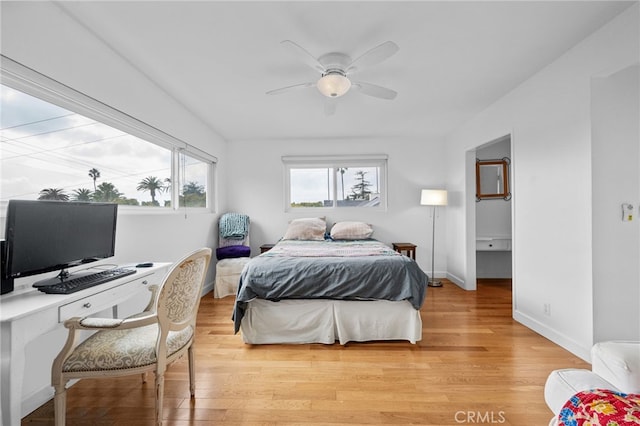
x=144 y=265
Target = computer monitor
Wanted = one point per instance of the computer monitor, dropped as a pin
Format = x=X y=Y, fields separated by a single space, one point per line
x=44 y=236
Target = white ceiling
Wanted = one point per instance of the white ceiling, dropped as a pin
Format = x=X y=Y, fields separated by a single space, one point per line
x=456 y=58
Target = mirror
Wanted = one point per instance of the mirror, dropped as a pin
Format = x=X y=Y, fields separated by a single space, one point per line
x=492 y=179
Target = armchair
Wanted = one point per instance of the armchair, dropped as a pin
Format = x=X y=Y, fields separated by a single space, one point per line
x=148 y=341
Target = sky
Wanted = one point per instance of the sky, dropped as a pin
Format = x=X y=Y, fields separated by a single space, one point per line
x=45 y=146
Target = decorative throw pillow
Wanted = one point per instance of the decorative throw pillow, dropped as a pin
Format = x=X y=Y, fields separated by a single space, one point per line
x=230 y=252
x=312 y=228
x=351 y=230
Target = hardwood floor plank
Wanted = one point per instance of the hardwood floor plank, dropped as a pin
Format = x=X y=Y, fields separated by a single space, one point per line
x=474 y=365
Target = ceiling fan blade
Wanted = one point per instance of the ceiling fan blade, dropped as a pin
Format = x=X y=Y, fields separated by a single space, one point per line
x=373 y=90
x=303 y=55
x=329 y=106
x=295 y=86
x=373 y=56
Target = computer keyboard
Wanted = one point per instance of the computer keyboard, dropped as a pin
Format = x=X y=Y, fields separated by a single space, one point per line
x=86 y=281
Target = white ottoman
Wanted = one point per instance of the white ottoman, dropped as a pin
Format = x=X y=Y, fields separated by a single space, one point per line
x=228 y=276
x=615 y=366
x=618 y=362
x=563 y=384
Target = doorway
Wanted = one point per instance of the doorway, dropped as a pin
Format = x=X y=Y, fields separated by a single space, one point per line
x=493 y=222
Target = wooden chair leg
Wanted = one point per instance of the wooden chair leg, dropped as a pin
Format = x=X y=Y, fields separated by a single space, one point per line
x=159 y=397
x=60 y=405
x=192 y=372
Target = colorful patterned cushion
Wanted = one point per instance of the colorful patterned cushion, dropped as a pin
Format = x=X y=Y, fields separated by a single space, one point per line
x=601 y=407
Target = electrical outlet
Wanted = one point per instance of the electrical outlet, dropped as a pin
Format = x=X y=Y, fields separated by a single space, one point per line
x=547 y=309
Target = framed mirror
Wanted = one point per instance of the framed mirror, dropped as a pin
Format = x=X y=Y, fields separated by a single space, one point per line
x=492 y=179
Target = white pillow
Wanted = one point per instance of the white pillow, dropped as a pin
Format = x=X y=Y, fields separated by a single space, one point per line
x=312 y=228
x=351 y=230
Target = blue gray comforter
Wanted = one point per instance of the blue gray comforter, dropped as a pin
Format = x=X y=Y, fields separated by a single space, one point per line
x=343 y=270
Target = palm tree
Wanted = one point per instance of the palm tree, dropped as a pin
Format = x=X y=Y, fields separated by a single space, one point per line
x=107 y=192
x=94 y=174
x=82 y=194
x=151 y=184
x=53 y=194
x=342 y=171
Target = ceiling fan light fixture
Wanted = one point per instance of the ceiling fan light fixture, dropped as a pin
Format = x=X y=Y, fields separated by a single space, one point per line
x=333 y=84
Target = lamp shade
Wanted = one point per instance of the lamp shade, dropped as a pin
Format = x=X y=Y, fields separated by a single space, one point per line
x=433 y=197
x=333 y=84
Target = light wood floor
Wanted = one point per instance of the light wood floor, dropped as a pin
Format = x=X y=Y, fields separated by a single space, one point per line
x=474 y=365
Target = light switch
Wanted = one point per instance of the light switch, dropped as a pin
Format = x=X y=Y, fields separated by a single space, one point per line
x=627 y=212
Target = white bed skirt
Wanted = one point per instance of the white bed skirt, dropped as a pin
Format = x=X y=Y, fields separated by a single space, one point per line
x=327 y=321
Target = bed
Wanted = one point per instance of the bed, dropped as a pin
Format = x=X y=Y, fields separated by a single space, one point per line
x=317 y=288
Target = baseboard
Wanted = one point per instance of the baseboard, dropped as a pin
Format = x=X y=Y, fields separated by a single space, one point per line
x=556 y=337
x=35 y=400
x=207 y=288
x=560 y=339
x=457 y=281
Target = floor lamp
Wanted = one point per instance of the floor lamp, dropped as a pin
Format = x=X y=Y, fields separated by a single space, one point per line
x=435 y=198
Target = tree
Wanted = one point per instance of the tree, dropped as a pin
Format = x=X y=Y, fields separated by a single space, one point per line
x=193 y=195
x=82 y=194
x=151 y=184
x=193 y=188
x=342 y=171
x=53 y=194
x=107 y=192
x=128 y=201
x=360 y=190
x=94 y=174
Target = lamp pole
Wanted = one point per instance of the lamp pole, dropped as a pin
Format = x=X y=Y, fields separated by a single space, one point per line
x=432 y=281
x=435 y=198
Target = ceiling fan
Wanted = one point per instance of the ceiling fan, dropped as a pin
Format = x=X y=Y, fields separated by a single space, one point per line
x=335 y=69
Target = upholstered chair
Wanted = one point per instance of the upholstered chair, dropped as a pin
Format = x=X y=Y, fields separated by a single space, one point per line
x=144 y=342
x=233 y=252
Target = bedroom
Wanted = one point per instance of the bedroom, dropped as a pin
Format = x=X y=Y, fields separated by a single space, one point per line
x=551 y=103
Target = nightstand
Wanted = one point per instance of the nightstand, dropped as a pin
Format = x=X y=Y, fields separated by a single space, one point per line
x=408 y=247
x=266 y=247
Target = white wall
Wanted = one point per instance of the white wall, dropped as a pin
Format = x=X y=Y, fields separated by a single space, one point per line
x=258 y=190
x=549 y=119
x=616 y=179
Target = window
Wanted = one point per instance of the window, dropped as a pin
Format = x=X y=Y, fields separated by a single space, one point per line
x=49 y=151
x=335 y=182
x=193 y=192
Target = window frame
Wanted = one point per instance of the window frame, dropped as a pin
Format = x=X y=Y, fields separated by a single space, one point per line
x=33 y=83
x=334 y=162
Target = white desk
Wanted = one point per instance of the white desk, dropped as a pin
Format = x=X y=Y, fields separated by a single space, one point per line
x=28 y=313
